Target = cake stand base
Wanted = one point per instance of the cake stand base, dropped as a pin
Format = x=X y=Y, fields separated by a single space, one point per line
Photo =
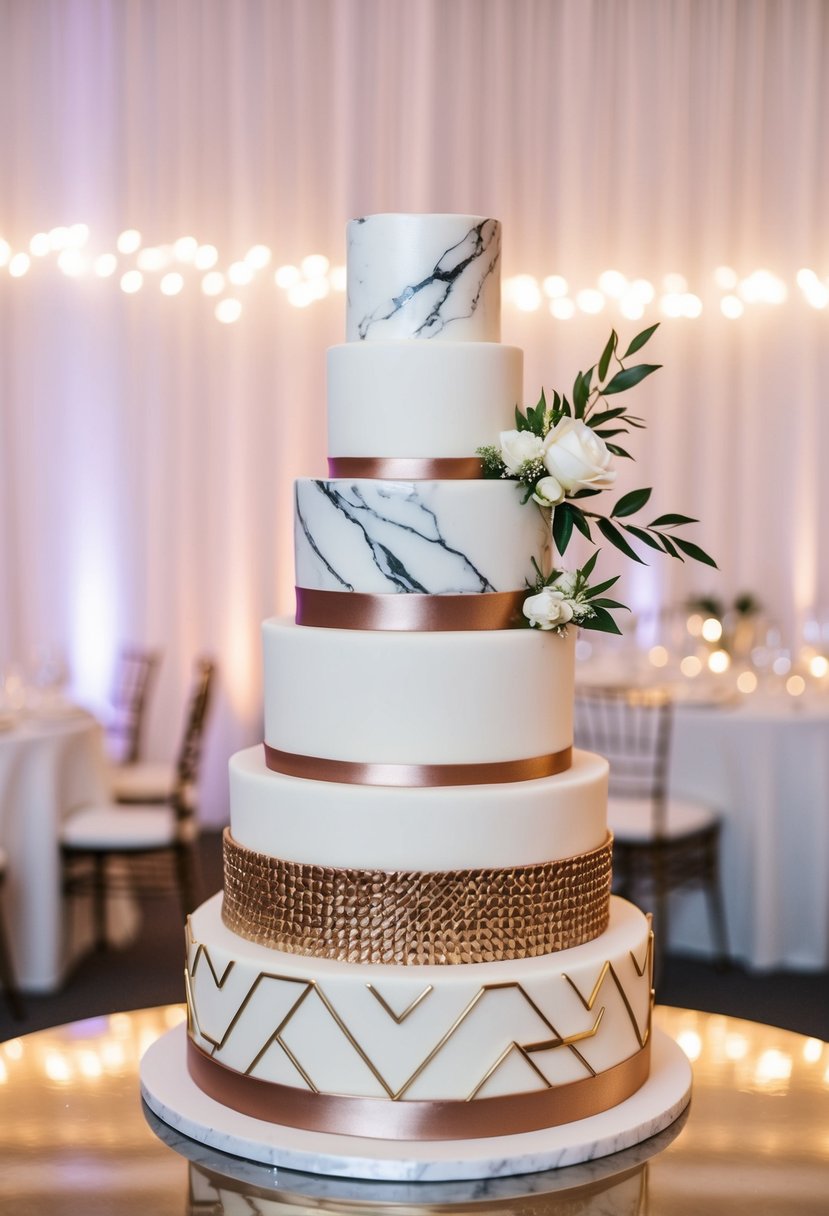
x=173 y=1096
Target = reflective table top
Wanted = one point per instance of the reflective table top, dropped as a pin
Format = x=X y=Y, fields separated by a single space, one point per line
x=76 y=1139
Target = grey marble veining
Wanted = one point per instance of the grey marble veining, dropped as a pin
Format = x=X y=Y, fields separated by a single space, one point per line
x=410 y=288
x=380 y=537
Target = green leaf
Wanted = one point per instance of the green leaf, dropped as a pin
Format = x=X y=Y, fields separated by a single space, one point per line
x=562 y=527
x=604 y=603
x=600 y=587
x=607 y=354
x=521 y=423
x=602 y=622
x=585 y=494
x=694 y=551
x=565 y=408
x=642 y=535
x=628 y=377
x=640 y=340
x=630 y=503
x=587 y=568
x=670 y=521
x=615 y=537
x=604 y=433
x=607 y=416
x=580 y=522
x=580 y=394
x=617 y=451
x=669 y=547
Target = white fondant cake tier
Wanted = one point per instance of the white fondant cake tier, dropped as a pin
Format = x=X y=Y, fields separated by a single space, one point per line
x=428 y=537
x=443 y=828
x=433 y=1032
x=417 y=698
x=423 y=276
x=416 y=399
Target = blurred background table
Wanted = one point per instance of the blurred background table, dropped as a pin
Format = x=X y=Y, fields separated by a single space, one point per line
x=50 y=761
x=75 y=1139
x=763 y=762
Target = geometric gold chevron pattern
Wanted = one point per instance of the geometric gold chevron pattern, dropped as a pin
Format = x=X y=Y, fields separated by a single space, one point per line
x=303 y=1020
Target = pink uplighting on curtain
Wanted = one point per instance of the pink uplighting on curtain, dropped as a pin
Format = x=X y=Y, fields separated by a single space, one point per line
x=147 y=450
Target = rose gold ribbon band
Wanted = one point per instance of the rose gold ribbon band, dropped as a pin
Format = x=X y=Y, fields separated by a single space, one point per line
x=412 y=613
x=351 y=772
x=416 y=917
x=406 y=468
x=384 y=1119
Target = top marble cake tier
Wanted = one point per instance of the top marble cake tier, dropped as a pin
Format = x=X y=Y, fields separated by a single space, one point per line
x=424 y=276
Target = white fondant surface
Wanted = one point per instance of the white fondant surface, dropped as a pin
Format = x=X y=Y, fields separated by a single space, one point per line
x=240 y=993
x=423 y=276
x=416 y=399
x=440 y=828
x=417 y=698
x=428 y=537
x=170 y=1093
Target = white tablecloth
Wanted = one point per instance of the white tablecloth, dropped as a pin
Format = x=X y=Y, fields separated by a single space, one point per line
x=764 y=763
x=48 y=766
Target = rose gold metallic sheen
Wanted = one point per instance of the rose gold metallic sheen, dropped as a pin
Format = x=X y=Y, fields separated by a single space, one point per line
x=407 y=468
x=408 y=612
x=416 y=917
x=382 y=1119
x=350 y=772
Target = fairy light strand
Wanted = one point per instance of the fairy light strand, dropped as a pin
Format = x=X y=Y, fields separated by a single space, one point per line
x=186 y=263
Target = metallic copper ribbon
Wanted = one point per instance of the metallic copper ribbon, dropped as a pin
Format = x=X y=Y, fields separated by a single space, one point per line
x=416 y=917
x=407 y=468
x=408 y=612
x=352 y=772
x=384 y=1119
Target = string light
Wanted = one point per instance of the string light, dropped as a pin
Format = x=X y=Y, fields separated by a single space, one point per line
x=314 y=278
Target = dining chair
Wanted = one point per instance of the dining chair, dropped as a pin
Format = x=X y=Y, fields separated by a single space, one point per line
x=138 y=836
x=661 y=844
x=7 y=976
x=134 y=673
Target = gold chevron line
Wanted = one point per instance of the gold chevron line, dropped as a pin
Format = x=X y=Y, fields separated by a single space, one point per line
x=525 y=1050
x=201 y=950
x=588 y=1002
x=522 y=1051
x=274 y=1038
x=311 y=985
x=399 y=1018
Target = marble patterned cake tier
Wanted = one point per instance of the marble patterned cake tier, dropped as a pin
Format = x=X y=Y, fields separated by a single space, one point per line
x=420 y=399
x=423 y=276
x=427 y=537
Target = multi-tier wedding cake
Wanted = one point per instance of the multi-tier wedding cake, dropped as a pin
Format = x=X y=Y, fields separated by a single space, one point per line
x=416 y=938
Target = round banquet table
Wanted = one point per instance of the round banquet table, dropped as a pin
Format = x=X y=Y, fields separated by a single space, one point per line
x=763 y=762
x=75 y=1139
x=51 y=762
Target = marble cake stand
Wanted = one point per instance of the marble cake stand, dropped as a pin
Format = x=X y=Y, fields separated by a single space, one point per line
x=173 y=1096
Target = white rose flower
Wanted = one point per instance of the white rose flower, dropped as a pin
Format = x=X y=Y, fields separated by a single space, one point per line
x=548 y=492
x=517 y=447
x=577 y=457
x=548 y=609
x=566 y=584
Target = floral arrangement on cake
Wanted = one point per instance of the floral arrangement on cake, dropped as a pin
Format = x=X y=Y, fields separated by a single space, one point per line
x=562 y=452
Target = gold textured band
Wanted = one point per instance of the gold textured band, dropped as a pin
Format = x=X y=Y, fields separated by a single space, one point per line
x=380 y=1119
x=406 y=468
x=416 y=916
x=412 y=613
x=351 y=772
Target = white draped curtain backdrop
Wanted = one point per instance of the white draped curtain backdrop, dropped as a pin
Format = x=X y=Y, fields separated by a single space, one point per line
x=147 y=450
